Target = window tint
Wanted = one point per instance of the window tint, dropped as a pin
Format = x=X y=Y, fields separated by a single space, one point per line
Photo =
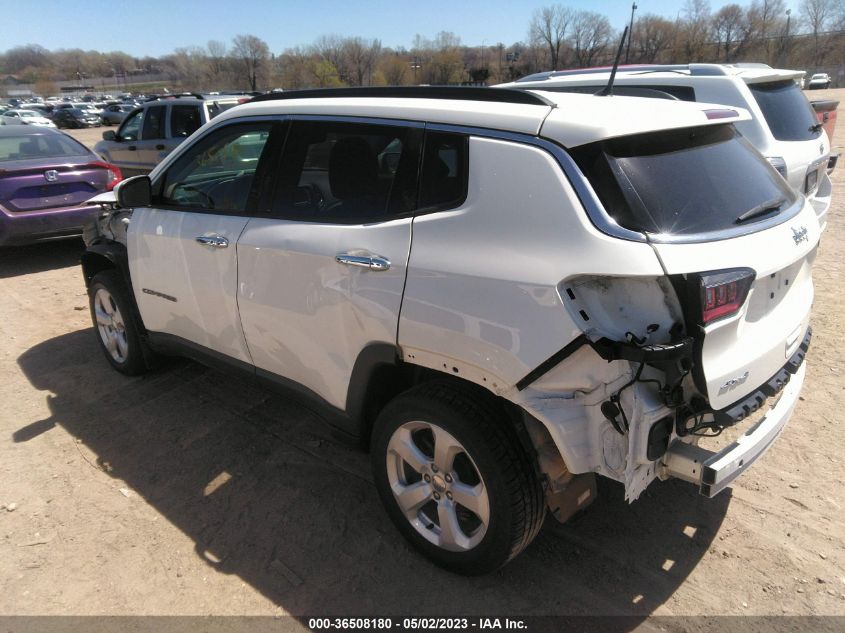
x=154 y=123
x=215 y=107
x=184 y=120
x=787 y=111
x=216 y=174
x=444 y=172
x=131 y=128
x=339 y=172
x=684 y=182
x=37 y=146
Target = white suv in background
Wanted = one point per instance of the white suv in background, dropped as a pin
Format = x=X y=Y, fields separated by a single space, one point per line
x=502 y=293
x=783 y=125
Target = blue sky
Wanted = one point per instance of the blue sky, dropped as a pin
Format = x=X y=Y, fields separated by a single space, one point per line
x=156 y=27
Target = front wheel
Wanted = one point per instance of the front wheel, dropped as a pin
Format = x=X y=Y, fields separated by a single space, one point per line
x=115 y=323
x=455 y=479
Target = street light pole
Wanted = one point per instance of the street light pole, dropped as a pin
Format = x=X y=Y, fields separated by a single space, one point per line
x=630 y=32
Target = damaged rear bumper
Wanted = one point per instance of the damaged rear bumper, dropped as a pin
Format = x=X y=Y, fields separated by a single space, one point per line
x=713 y=472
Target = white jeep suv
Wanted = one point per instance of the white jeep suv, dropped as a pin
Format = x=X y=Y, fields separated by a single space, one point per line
x=501 y=293
x=782 y=125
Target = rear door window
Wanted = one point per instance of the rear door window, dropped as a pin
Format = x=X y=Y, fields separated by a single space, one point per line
x=348 y=172
x=443 y=183
x=154 y=123
x=684 y=182
x=786 y=110
x=184 y=120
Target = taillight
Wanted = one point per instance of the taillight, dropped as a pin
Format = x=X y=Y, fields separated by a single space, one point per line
x=724 y=292
x=115 y=175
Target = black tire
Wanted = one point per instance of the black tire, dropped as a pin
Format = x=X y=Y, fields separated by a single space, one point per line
x=516 y=501
x=133 y=360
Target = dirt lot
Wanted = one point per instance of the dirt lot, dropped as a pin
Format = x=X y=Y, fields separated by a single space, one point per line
x=187 y=492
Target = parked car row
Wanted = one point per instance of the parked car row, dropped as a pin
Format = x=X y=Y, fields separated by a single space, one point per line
x=501 y=292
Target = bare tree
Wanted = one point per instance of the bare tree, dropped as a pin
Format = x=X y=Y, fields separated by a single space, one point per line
x=251 y=54
x=767 y=19
x=395 y=69
x=361 y=56
x=694 y=30
x=652 y=36
x=591 y=33
x=817 y=13
x=216 y=60
x=728 y=27
x=330 y=48
x=549 y=27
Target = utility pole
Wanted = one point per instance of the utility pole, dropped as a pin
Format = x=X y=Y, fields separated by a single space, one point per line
x=630 y=32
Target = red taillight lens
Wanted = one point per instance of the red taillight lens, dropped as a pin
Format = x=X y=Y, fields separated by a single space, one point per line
x=115 y=175
x=724 y=292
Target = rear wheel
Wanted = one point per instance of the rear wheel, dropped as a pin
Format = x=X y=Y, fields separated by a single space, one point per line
x=115 y=323
x=455 y=479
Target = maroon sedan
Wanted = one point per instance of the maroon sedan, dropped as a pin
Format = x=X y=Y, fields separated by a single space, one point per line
x=46 y=177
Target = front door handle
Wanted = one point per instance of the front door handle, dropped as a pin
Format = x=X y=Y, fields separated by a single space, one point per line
x=371 y=262
x=131 y=148
x=160 y=146
x=216 y=241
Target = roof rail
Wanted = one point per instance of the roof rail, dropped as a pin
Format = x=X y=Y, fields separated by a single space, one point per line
x=180 y=95
x=466 y=93
x=697 y=70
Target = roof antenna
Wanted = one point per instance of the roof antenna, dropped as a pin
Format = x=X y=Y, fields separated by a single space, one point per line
x=608 y=89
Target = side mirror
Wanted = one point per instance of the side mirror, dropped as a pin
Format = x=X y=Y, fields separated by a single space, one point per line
x=134 y=192
x=109 y=135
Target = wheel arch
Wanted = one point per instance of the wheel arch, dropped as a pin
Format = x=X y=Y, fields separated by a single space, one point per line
x=111 y=255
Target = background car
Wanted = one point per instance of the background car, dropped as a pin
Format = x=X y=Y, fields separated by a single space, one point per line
x=26 y=117
x=155 y=129
x=75 y=118
x=47 y=179
x=819 y=80
x=115 y=113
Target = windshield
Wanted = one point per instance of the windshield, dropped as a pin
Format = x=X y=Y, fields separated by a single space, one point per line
x=684 y=182
x=30 y=146
x=787 y=111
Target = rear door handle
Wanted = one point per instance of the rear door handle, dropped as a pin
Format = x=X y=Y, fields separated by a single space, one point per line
x=373 y=262
x=159 y=146
x=131 y=148
x=216 y=241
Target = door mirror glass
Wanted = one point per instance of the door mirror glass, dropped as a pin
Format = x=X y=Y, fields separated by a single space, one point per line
x=109 y=135
x=133 y=192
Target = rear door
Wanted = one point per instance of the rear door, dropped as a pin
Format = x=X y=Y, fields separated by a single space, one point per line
x=182 y=249
x=321 y=277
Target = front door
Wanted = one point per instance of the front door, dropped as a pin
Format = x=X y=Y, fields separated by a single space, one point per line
x=183 y=248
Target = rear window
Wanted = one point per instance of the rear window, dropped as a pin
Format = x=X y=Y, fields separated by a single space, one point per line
x=217 y=107
x=684 y=182
x=27 y=147
x=786 y=110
